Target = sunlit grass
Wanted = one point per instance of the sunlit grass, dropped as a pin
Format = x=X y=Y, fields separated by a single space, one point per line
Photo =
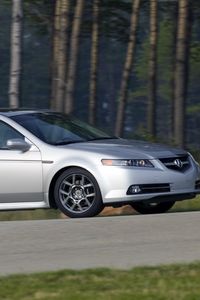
x=173 y=282
x=42 y=214
x=38 y=214
x=187 y=205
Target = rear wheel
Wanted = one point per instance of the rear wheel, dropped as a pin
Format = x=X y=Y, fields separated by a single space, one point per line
x=152 y=208
x=77 y=194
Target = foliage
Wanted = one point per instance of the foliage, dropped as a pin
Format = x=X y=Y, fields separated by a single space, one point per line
x=164 y=74
x=145 y=283
x=40 y=14
x=193 y=109
x=114 y=32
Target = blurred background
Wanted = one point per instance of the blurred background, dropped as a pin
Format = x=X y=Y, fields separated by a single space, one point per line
x=130 y=67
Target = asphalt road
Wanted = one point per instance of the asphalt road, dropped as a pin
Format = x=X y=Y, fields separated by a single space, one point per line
x=119 y=242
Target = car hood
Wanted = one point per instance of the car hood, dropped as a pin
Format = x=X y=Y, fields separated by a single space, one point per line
x=127 y=148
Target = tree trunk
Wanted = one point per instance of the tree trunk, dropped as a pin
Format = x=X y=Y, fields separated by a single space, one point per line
x=16 y=50
x=173 y=61
x=62 y=54
x=127 y=69
x=73 y=56
x=151 y=112
x=94 y=64
x=180 y=77
x=59 y=64
x=55 y=54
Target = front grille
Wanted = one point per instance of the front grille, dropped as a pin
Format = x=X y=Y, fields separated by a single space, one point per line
x=197 y=185
x=178 y=163
x=149 y=188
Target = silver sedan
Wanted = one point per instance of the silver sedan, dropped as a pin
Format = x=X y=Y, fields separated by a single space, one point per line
x=49 y=160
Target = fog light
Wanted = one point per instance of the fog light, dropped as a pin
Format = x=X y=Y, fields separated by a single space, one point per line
x=134 y=189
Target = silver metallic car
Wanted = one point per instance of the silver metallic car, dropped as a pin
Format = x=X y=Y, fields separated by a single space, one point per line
x=48 y=159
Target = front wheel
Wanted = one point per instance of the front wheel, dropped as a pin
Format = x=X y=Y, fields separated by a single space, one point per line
x=77 y=194
x=152 y=208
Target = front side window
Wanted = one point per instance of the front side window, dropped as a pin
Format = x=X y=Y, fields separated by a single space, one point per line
x=6 y=133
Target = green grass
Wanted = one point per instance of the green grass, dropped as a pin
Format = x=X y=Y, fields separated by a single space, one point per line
x=187 y=205
x=41 y=214
x=172 y=282
x=38 y=214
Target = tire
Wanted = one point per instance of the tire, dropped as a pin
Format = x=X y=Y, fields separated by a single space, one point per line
x=152 y=208
x=77 y=194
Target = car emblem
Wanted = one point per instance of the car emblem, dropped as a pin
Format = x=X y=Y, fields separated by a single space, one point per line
x=178 y=163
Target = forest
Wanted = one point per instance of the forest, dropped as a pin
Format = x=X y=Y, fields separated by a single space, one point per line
x=130 y=67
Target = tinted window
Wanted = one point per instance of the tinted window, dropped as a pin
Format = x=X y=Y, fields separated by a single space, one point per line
x=7 y=133
x=58 y=129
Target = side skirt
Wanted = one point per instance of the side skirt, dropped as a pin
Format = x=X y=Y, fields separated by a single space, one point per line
x=23 y=205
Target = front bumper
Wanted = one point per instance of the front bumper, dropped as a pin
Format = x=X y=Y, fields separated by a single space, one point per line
x=115 y=183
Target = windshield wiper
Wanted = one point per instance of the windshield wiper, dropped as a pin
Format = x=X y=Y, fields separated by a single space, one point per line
x=67 y=142
x=103 y=138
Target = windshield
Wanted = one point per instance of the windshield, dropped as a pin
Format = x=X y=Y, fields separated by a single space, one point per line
x=58 y=129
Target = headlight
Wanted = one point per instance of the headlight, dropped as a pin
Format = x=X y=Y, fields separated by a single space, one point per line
x=192 y=157
x=144 y=163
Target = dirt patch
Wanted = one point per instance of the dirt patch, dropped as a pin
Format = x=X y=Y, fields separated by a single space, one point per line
x=124 y=210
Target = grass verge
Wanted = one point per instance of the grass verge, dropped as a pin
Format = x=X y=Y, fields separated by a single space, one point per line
x=187 y=205
x=171 y=282
x=42 y=214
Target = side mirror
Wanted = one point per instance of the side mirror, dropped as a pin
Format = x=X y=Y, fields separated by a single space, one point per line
x=18 y=144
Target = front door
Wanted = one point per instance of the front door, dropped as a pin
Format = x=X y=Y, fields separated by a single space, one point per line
x=20 y=172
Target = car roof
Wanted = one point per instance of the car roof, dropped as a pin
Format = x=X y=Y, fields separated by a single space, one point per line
x=15 y=112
